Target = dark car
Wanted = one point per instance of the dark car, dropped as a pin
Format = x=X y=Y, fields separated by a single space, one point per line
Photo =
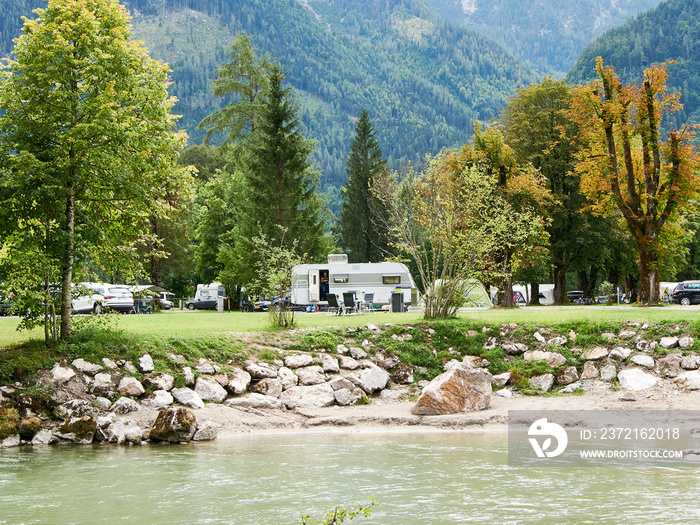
x=206 y=302
x=687 y=292
x=5 y=306
x=577 y=297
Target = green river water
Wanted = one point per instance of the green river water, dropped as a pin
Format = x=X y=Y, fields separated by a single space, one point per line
x=438 y=478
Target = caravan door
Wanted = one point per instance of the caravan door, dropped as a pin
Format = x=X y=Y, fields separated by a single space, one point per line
x=314 y=286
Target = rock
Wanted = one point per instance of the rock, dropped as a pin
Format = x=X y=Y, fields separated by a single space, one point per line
x=501 y=379
x=312 y=396
x=689 y=380
x=189 y=375
x=130 y=386
x=572 y=335
x=567 y=376
x=669 y=342
x=686 y=341
x=347 y=396
x=636 y=379
x=205 y=368
x=78 y=430
x=329 y=364
x=129 y=367
x=643 y=360
x=298 y=360
x=451 y=364
x=460 y=389
x=504 y=392
x=238 y=381
x=357 y=353
x=371 y=379
x=188 y=397
x=311 y=375
x=255 y=400
x=124 y=405
x=146 y=364
x=207 y=431
x=645 y=346
x=348 y=363
x=159 y=382
x=160 y=399
x=269 y=387
x=341 y=382
x=372 y=327
x=570 y=389
x=626 y=333
x=28 y=427
x=392 y=395
x=102 y=403
x=222 y=379
x=76 y=408
x=209 y=389
x=595 y=353
x=539 y=337
x=123 y=431
x=10 y=441
x=475 y=361
x=608 y=336
x=553 y=359
x=43 y=437
x=608 y=372
x=386 y=361
x=690 y=362
x=86 y=367
x=102 y=384
x=341 y=349
x=174 y=425
x=260 y=370
x=545 y=382
x=621 y=352
x=61 y=375
x=559 y=340
x=108 y=363
x=287 y=377
x=515 y=348
x=669 y=366
x=590 y=371
x=490 y=343
x=402 y=374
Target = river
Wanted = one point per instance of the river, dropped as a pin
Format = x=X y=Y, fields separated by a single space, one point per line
x=418 y=478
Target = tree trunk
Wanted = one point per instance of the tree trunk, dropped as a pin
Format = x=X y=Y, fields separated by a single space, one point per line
x=560 y=296
x=505 y=299
x=648 y=271
x=67 y=273
x=535 y=294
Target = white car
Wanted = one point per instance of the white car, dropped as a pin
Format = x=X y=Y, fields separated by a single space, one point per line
x=117 y=298
x=87 y=301
x=165 y=303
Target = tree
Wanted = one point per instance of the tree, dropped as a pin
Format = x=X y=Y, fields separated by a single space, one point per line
x=362 y=239
x=279 y=187
x=87 y=123
x=626 y=165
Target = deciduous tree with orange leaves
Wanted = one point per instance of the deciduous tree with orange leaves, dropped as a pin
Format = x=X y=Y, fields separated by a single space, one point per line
x=628 y=164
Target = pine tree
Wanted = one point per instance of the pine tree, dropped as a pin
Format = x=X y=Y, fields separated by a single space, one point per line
x=361 y=238
x=281 y=201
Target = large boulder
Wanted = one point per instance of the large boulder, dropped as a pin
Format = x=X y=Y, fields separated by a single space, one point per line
x=160 y=399
x=255 y=400
x=312 y=396
x=371 y=379
x=689 y=380
x=268 y=387
x=124 y=405
x=123 y=431
x=461 y=389
x=636 y=379
x=130 y=386
x=86 y=367
x=288 y=378
x=102 y=384
x=146 y=364
x=543 y=382
x=159 y=382
x=206 y=431
x=61 y=375
x=311 y=375
x=174 y=425
x=209 y=389
x=238 y=381
x=553 y=359
x=260 y=370
x=298 y=360
x=78 y=430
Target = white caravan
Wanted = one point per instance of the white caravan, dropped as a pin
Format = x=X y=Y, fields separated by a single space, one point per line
x=312 y=283
x=215 y=289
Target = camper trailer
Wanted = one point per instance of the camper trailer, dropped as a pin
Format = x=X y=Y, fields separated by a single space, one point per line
x=215 y=289
x=312 y=283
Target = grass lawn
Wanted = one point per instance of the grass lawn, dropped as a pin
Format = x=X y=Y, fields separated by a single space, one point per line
x=186 y=324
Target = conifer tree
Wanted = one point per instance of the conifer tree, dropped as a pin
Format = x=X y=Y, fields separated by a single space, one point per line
x=362 y=239
x=281 y=201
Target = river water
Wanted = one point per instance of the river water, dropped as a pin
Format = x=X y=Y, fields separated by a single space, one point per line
x=436 y=478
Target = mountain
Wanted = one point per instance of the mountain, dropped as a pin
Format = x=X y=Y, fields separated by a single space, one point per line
x=547 y=34
x=669 y=32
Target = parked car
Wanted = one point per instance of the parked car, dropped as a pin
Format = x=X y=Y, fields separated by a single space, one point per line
x=577 y=297
x=87 y=300
x=5 y=306
x=117 y=298
x=206 y=302
x=165 y=303
x=686 y=293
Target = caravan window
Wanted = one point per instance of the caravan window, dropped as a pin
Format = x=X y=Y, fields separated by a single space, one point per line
x=391 y=279
x=340 y=278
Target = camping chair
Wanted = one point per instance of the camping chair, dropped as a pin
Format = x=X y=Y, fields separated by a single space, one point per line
x=333 y=307
x=368 y=302
x=351 y=305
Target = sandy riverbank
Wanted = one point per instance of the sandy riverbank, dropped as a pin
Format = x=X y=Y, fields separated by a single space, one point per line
x=396 y=416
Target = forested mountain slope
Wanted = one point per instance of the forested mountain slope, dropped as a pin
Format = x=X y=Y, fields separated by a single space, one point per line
x=422 y=80
x=669 y=32
x=549 y=34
